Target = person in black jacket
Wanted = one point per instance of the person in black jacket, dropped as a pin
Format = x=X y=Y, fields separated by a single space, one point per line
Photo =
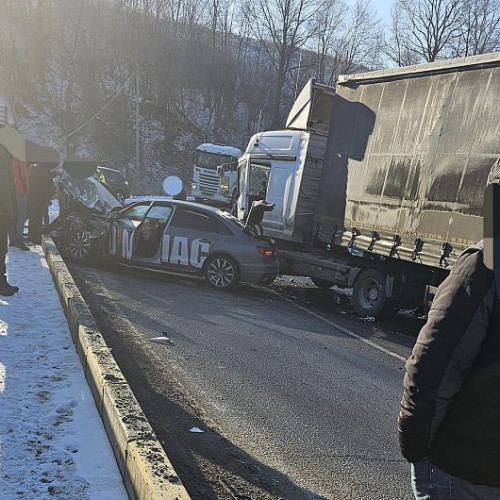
x=7 y=201
x=449 y=421
x=39 y=197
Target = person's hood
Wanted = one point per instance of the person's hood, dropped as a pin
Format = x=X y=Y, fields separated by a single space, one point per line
x=25 y=150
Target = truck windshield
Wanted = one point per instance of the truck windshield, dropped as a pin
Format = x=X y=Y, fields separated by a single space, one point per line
x=258 y=179
x=211 y=160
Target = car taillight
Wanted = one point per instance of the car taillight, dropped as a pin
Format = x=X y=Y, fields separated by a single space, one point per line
x=266 y=251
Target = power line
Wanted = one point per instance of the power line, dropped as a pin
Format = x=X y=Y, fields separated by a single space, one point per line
x=96 y=115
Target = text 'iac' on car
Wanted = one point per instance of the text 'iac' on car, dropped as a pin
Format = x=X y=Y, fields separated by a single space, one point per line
x=167 y=235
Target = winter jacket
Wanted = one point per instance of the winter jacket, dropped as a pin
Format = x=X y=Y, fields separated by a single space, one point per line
x=21 y=173
x=41 y=188
x=7 y=190
x=450 y=410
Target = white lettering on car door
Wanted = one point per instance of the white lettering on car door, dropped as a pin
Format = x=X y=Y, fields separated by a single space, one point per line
x=182 y=253
x=127 y=244
x=165 y=248
x=199 y=247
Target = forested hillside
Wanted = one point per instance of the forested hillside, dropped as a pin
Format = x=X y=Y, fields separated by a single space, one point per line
x=203 y=70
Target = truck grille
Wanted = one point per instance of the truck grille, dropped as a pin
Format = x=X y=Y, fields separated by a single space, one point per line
x=209 y=184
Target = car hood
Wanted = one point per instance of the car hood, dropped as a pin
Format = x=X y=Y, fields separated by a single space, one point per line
x=90 y=193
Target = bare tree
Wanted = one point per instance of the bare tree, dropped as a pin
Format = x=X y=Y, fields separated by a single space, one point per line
x=480 y=22
x=427 y=28
x=331 y=19
x=348 y=39
x=362 y=42
x=282 y=27
x=397 y=48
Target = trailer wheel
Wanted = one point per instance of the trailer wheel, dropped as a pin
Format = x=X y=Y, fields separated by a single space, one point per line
x=369 y=296
x=322 y=283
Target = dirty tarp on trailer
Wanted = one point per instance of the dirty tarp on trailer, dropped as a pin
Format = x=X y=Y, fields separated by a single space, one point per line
x=408 y=159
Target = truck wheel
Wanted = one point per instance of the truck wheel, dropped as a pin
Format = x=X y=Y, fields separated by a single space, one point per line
x=322 y=283
x=369 y=296
x=222 y=272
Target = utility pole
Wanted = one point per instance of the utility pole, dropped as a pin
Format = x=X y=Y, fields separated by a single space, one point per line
x=137 y=125
x=298 y=74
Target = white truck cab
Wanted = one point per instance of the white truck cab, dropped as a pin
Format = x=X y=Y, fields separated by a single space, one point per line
x=207 y=183
x=270 y=169
x=284 y=166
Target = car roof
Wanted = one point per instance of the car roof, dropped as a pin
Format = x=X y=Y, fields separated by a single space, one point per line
x=186 y=204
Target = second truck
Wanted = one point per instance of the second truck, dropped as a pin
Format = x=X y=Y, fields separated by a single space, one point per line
x=207 y=184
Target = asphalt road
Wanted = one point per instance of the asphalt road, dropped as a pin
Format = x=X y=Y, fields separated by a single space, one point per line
x=297 y=398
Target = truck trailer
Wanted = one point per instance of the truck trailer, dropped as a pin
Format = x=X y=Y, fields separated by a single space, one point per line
x=379 y=182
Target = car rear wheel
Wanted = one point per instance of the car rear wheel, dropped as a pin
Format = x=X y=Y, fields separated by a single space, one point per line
x=222 y=272
x=80 y=245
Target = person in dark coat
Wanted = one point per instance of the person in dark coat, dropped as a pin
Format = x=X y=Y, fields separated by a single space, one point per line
x=7 y=203
x=449 y=421
x=39 y=197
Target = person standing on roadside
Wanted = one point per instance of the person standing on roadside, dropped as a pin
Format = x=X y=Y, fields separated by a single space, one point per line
x=7 y=200
x=21 y=173
x=39 y=196
x=449 y=421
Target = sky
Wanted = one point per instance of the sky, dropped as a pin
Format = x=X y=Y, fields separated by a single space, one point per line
x=383 y=7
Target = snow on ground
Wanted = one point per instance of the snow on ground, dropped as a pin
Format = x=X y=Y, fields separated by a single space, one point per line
x=52 y=440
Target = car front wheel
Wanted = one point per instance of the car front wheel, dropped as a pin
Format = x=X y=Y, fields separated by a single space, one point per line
x=80 y=246
x=222 y=272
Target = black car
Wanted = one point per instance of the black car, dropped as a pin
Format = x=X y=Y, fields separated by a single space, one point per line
x=115 y=181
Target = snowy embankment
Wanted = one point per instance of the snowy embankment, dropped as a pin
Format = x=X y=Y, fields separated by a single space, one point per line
x=52 y=440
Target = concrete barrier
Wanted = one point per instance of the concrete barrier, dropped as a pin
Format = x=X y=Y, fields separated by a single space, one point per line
x=145 y=467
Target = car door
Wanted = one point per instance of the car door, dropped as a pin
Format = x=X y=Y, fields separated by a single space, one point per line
x=148 y=236
x=189 y=239
x=121 y=236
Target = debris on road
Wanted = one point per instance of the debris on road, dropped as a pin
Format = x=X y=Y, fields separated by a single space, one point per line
x=162 y=340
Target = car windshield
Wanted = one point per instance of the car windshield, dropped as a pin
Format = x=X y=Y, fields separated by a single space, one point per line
x=211 y=160
x=91 y=193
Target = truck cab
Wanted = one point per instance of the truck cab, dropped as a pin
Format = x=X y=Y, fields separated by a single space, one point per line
x=207 y=183
x=284 y=166
x=268 y=170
